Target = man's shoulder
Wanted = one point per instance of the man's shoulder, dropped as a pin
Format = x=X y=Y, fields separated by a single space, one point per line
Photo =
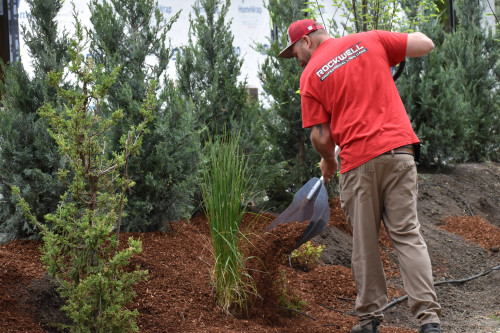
x=355 y=37
x=368 y=34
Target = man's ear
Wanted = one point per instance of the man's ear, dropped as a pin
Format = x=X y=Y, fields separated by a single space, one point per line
x=309 y=42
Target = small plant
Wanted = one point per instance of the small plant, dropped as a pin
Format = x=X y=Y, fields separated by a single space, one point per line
x=288 y=300
x=306 y=255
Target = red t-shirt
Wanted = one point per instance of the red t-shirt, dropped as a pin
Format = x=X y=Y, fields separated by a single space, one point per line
x=348 y=83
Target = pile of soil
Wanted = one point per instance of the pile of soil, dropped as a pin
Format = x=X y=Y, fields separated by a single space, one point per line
x=459 y=211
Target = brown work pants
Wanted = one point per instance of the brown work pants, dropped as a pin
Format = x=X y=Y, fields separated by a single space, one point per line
x=385 y=189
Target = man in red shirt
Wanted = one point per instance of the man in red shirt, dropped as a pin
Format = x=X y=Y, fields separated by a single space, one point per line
x=349 y=98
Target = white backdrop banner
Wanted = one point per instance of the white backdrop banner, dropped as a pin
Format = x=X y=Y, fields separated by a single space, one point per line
x=250 y=24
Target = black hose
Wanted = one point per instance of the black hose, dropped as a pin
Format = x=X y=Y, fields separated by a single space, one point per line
x=399 y=71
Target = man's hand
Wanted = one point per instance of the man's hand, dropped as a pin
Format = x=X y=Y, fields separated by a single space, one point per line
x=328 y=168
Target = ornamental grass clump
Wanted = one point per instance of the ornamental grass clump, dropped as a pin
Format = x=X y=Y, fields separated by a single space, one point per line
x=225 y=186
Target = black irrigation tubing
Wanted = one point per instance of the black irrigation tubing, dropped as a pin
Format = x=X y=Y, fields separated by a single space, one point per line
x=299 y=312
x=486 y=272
x=446 y=188
x=344 y=312
x=346 y=299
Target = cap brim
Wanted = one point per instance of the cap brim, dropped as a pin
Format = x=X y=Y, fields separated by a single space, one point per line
x=287 y=52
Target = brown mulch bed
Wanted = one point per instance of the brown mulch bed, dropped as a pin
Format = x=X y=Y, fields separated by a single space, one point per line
x=475 y=229
x=178 y=296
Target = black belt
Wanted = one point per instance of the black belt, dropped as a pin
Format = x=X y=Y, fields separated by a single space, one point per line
x=408 y=149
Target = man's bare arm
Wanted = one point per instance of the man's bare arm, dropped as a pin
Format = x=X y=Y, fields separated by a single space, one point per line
x=418 y=45
x=322 y=140
x=323 y=143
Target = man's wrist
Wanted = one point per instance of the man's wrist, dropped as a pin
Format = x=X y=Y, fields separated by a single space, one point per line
x=329 y=158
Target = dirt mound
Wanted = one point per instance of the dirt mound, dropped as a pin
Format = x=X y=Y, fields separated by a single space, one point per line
x=459 y=213
x=43 y=301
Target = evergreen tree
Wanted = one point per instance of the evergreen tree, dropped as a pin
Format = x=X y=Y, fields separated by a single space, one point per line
x=208 y=73
x=129 y=34
x=29 y=157
x=81 y=251
x=208 y=69
x=171 y=180
x=451 y=94
x=292 y=152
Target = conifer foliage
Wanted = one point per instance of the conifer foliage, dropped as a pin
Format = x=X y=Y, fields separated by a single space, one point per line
x=132 y=34
x=81 y=251
x=208 y=70
x=292 y=153
x=452 y=95
x=208 y=76
x=29 y=157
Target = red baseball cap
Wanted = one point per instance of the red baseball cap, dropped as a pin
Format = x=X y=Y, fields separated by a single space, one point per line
x=296 y=31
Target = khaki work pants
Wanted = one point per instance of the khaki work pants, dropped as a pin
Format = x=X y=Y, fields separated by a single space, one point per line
x=385 y=189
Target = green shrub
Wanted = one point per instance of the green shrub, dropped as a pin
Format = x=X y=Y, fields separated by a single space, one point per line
x=81 y=250
x=307 y=255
